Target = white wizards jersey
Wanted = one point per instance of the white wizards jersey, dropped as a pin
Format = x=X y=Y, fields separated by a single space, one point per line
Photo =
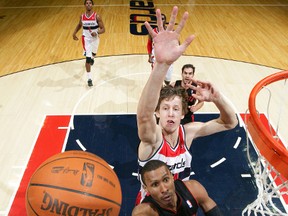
x=89 y=24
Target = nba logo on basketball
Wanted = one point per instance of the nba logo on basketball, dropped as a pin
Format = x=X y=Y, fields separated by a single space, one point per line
x=87 y=174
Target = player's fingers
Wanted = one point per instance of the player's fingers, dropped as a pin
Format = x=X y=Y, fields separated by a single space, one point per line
x=187 y=42
x=173 y=17
x=197 y=97
x=204 y=83
x=182 y=22
x=159 y=20
x=193 y=80
x=192 y=87
x=149 y=28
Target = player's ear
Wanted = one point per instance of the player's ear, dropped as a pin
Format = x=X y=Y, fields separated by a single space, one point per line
x=144 y=187
x=157 y=114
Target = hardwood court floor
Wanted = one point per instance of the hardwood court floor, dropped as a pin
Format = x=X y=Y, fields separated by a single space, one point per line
x=42 y=67
x=36 y=33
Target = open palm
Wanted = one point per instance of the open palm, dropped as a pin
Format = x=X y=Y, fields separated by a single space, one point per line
x=166 y=41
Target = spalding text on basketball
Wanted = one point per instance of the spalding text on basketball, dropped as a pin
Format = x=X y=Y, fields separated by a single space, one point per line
x=58 y=207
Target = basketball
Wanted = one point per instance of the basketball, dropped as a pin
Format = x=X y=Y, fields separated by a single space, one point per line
x=74 y=183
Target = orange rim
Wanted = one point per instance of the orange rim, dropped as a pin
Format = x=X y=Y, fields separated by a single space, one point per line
x=271 y=149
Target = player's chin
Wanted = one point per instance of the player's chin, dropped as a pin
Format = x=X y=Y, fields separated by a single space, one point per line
x=188 y=81
x=171 y=127
x=166 y=200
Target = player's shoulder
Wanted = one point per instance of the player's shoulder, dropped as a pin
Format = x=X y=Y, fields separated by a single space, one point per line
x=97 y=15
x=144 y=209
x=197 y=189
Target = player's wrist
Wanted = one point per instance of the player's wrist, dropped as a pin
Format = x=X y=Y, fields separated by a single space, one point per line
x=161 y=67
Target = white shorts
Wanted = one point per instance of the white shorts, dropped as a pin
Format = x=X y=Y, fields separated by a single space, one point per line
x=90 y=45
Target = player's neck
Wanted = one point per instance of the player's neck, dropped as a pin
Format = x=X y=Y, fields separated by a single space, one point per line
x=171 y=139
x=89 y=13
x=173 y=204
x=183 y=84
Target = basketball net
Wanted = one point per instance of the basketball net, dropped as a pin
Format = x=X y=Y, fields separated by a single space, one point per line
x=266 y=177
x=272 y=156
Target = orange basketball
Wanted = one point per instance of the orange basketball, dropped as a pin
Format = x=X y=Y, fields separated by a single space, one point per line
x=74 y=183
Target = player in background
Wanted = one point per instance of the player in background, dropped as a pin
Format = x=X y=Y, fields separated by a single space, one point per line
x=188 y=72
x=92 y=25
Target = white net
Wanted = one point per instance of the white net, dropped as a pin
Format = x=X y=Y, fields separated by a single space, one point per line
x=271 y=188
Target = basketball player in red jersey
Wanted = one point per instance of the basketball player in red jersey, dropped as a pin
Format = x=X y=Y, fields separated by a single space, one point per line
x=169 y=141
x=92 y=26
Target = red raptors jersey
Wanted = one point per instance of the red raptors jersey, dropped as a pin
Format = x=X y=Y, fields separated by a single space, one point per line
x=89 y=24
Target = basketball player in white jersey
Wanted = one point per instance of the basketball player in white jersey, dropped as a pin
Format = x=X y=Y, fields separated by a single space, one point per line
x=92 y=26
x=169 y=141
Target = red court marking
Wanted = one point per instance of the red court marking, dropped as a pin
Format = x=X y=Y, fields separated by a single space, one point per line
x=265 y=122
x=50 y=142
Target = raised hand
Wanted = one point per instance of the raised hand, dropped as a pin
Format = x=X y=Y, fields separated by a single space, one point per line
x=166 y=41
x=205 y=91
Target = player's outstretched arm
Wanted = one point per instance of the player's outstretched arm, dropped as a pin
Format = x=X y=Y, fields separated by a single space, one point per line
x=167 y=51
x=206 y=91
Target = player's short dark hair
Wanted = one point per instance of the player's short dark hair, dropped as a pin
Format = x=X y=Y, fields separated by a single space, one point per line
x=150 y=166
x=88 y=0
x=188 y=66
